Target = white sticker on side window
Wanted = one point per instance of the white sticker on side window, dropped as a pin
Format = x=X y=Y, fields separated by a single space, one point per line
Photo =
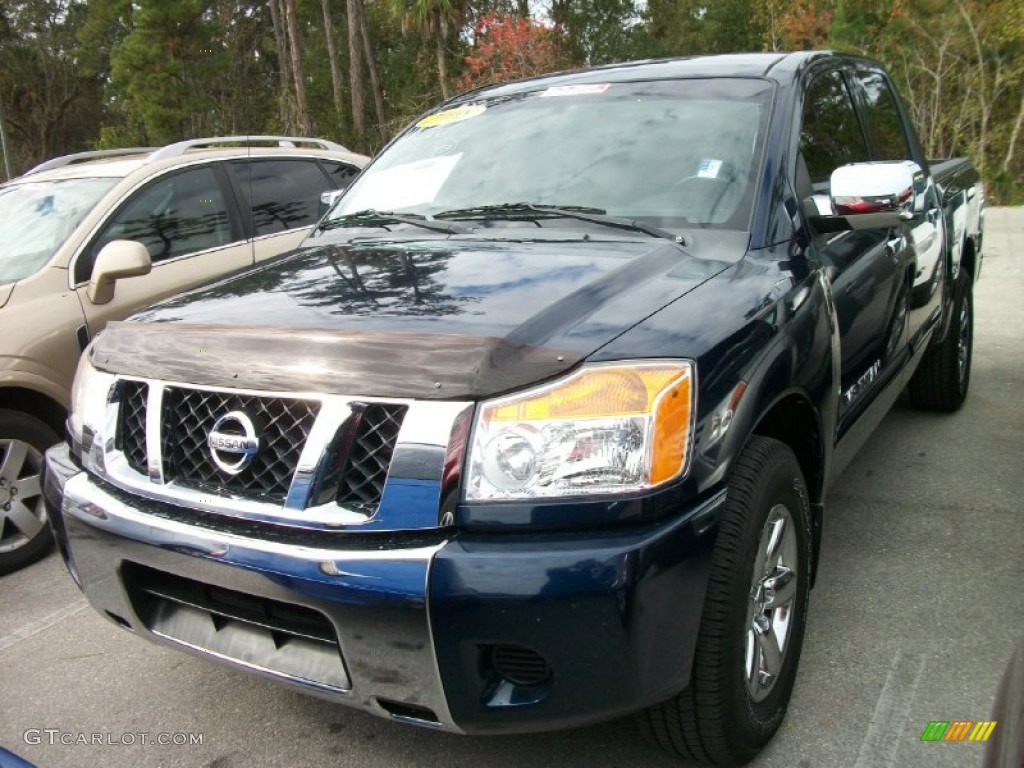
x=709 y=168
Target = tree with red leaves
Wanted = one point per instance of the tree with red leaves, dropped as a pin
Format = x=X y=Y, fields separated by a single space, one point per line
x=508 y=48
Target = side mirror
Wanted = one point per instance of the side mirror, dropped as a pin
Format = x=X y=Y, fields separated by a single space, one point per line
x=873 y=195
x=328 y=199
x=117 y=259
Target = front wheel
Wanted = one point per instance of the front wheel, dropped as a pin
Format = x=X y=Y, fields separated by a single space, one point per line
x=754 y=615
x=24 y=534
x=941 y=380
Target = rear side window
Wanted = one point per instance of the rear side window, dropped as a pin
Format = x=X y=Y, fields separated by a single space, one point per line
x=883 y=118
x=284 y=194
x=830 y=133
x=341 y=173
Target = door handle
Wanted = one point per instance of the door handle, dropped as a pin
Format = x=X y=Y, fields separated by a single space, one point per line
x=894 y=247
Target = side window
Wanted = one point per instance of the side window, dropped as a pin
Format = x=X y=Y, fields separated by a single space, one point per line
x=884 y=122
x=175 y=215
x=341 y=173
x=830 y=134
x=283 y=194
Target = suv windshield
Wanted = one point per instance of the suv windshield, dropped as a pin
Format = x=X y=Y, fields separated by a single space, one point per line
x=670 y=153
x=36 y=217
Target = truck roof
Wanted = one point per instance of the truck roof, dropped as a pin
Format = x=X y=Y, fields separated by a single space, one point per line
x=775 y=65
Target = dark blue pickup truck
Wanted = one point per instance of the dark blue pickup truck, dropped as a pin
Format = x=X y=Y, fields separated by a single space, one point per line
x=536 y=428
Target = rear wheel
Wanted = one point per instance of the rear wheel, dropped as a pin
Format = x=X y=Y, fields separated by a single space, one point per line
x=24 y=534
x=754 y=614
x=941 y=380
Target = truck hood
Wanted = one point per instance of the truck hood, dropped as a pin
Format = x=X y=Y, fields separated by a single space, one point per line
x=426 y=318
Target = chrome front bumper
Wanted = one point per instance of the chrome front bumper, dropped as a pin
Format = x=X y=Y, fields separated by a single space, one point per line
x=380 y=657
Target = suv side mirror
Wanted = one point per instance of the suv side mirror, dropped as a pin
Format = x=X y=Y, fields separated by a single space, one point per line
x=328 y=199
x=117 y=259
x=872 y=195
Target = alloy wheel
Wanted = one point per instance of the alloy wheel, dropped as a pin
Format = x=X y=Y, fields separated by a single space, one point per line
x=22 y=515
x=773 y=590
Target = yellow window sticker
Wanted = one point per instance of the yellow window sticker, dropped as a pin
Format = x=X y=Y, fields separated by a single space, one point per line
x=453 y=115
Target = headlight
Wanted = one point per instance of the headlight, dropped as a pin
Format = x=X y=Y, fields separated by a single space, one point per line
x=604 y=429
x=87 y=422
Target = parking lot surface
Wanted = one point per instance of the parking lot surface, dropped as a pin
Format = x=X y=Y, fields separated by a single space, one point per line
x=918 y=606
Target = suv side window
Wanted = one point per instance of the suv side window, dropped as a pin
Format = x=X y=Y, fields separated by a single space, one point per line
x=178 y=214
x=883 y=117
x=283 y=194
x=830 y=133
x=341 y=173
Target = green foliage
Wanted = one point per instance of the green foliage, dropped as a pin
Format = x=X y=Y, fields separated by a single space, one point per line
x=49 y=104
x=164 y=66
x=689 y=27
x=77 y=74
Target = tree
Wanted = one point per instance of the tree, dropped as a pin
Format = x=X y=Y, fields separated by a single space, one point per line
x=291 y=23
x=374 y=70
x=689 y=27
x=793 y=24
x=355 y=69
x=434 y=19
x=507 y=48
x=49 y=105
x=285 y=100
x=600 y=31
x=332 y=55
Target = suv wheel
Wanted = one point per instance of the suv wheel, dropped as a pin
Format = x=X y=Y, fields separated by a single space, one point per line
x=754 y=615
x=24 y=534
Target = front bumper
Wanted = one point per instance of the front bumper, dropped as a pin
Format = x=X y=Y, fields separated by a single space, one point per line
x=469 y=633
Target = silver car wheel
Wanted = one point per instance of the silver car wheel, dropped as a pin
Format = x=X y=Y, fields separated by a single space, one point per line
x=773 y=589
x=22 y=515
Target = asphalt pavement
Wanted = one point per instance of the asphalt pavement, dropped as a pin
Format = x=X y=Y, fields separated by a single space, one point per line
x=919 y=603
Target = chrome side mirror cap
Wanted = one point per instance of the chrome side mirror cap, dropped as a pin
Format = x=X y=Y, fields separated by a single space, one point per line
x=875 y=195
x=117 y=259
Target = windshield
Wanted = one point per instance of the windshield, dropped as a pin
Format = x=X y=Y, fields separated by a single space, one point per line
x=675 y=154
x=36 y=217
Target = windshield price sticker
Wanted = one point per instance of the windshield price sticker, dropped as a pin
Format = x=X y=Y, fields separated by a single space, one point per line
x=454 y=115
x=709 y=168
x=575 y=90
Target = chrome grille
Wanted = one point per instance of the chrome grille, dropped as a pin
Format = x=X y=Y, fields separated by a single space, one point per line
x=316 y=460
x=283 y=425
x=366 y=466
x=131 y=424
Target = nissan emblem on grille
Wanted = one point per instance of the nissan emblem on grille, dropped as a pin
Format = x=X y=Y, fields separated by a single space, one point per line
x=233 y=434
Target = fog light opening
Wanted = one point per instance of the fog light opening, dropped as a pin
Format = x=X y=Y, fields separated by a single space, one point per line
x=520 y=665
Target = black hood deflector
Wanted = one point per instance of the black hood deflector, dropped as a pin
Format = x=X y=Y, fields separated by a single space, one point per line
x=428 y=318
x=382 y=364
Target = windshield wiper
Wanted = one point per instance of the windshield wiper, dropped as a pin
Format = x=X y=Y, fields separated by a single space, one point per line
x=372 y=218
x=532 y=211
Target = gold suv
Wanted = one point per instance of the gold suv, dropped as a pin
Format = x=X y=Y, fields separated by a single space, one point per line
x=90 y=238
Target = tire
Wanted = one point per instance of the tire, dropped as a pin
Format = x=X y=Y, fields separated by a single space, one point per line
x=24 y=534
x=727 y=715
x=941 y=380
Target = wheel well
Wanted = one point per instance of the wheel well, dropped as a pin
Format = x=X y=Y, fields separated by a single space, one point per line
x=31 y=402
x=792 y=421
